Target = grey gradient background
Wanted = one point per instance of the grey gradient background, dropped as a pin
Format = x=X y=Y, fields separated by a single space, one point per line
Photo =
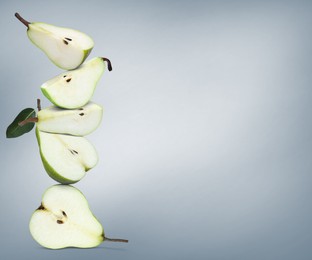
x=205 y=145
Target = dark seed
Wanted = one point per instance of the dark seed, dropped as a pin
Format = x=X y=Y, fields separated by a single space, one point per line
x=69 y=39
x=81 y=114
x=59 y=222
x=64 y=76
x=81 y=108
x=68 y=80
x=64 y=214
x=73 y=152
x=65 y=42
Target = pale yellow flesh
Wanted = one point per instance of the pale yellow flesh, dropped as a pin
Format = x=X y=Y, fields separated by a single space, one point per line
x=66 y=158
x=77 y=226
x=77 y=122
x=73 y=89
x=66 y=48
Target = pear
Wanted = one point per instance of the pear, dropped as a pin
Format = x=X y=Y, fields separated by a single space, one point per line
x=73 y=89
x=66 y=158
x=64 y=219
x=79 y=122
x=66 y=48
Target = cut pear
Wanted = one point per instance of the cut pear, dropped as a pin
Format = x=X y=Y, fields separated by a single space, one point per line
x=79 y=122
x=66 y=48
x=64 y=220
x=66 y=158
x=73 y=89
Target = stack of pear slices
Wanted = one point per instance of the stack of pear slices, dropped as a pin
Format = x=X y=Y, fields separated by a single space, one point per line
x=64 y=218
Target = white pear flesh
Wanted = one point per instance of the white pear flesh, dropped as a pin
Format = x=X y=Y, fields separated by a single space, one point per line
x=64 y=219
x=66 y=158
x=66 y=48
x=78 y=122
x=74 y=89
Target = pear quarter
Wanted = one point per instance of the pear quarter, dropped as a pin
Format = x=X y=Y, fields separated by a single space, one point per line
x=66 y=158
x=66 y=48
x=74 y=89
x=79 y=122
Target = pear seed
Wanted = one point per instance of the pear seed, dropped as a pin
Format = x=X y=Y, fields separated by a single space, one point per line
x=66 y=42
x=59 y=222
x=73 y=152
x=68 y=80
x=81 y=114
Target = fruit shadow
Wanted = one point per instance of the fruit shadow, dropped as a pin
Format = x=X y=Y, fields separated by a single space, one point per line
x=93 y=248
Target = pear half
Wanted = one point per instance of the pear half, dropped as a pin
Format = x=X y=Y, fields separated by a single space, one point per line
x=66 y=158
x=66 y=48
x=73 y=89
x=64 y=219
x=79 y=122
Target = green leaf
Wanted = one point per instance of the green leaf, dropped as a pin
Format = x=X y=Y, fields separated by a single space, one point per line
x=15 y=130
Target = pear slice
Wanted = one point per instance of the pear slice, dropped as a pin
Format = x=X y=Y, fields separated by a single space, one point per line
x=64 y=219
x=73 y=89
x=79 y=122
x=66 y=48
x=66 y=158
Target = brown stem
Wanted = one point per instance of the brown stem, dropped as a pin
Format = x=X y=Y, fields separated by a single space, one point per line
x=26 y=23
x=38 y=104
x=115 y=240
x=109 y=64
x=28 y=120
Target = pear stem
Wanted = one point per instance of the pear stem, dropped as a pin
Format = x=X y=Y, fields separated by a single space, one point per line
x=38 y=104
x=26 y=23
x=109 y=64
x=28 y=120
x=116 y=240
